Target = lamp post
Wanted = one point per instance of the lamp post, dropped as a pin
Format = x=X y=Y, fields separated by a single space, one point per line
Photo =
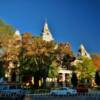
x=10 y=67
x=2 y=52
x=17 y=72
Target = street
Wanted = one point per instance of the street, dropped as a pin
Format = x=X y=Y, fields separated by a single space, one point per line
x=80 y=97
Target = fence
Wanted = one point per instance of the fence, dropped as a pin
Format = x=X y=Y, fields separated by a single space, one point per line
x=79 y=96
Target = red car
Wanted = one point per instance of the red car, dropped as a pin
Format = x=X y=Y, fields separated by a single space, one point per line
x=82 y=88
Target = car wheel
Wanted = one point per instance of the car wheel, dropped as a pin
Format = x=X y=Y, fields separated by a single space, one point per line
x=68 y=93
x=53 y=94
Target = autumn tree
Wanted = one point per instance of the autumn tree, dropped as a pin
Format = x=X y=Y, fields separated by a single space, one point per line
x=6 y=32
x=96 y=61
x=44 y=56
x=7 y=41
x=65 y=55
x=26 y=53
x=36 y=57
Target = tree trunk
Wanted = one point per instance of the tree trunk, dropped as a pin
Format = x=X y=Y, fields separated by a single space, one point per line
x=44 y=82
x=36 y=82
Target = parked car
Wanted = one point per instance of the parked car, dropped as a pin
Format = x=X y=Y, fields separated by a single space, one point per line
x=82 y=88
x=11 y=90
x=63 y=91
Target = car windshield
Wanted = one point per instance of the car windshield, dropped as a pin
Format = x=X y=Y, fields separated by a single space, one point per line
x=63 y=88
x=5 y=88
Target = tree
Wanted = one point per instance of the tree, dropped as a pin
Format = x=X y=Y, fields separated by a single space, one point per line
x=8 y=43
x=65 y=55
x=96 y=61
x=25 y=55
x=6 y=33
x=86 y=69
x=53 y=69
x=43 y=57
x=2 y=70
x=97 y=78
x=74 y=80
x=36 y=57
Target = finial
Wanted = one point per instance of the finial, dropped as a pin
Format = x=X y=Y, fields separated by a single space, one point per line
x=46 y=20
x=46 y=25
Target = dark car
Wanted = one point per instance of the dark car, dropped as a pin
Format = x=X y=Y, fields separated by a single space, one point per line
x=82 y=88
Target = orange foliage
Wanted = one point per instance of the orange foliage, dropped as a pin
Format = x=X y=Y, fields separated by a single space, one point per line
x=96 y=60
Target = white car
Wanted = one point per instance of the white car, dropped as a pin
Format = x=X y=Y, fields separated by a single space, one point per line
x=63 y=91
x=12 y=90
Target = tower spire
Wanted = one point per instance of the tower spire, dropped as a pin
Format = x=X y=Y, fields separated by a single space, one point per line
x=46 y=34
x=17 y=35
x=82 y=52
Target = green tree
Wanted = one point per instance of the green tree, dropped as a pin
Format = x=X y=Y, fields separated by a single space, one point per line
x=2 y=70
x=86 y=68
x=74 y=80
x=97 y=78
x=53 y=69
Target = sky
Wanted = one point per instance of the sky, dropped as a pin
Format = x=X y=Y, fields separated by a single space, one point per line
x=74 y=21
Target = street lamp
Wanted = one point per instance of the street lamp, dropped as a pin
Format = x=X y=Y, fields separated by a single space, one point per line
x=18 y=72
x=2 y=52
